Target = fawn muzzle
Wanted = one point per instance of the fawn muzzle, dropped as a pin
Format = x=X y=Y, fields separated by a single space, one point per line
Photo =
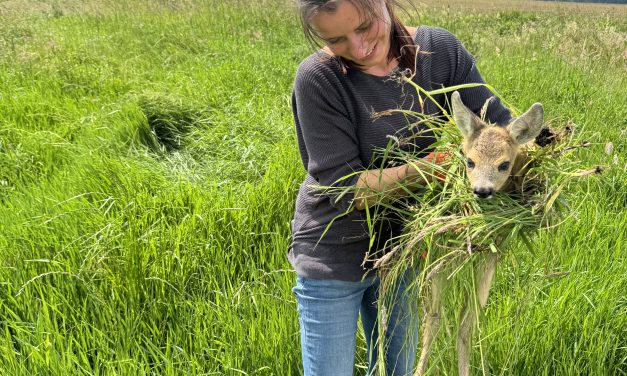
x=483 y=192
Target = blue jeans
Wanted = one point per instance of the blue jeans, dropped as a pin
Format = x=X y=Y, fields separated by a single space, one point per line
x=328 y=312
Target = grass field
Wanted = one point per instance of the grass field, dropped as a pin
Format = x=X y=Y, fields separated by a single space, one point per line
x=148 y=171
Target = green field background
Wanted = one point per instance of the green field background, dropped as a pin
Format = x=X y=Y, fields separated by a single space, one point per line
x=148 y=171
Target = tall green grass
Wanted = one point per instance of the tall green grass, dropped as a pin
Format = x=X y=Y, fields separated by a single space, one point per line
x=148 y=170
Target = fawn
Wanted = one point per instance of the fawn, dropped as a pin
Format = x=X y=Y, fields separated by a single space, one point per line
x=493 y=154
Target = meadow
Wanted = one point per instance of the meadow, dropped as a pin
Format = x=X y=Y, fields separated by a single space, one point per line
x=148 y=172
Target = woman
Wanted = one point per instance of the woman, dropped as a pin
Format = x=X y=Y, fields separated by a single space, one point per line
x=336 y=90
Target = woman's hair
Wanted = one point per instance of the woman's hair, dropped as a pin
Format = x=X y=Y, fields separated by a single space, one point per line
x=401 y=44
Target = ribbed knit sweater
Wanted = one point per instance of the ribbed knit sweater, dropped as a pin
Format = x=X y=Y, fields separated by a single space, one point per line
x=338 y=136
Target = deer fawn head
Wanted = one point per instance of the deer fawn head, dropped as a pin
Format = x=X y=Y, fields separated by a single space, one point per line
x=491 y=150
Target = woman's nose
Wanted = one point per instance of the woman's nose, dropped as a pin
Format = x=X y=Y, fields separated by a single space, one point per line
x=359 y=46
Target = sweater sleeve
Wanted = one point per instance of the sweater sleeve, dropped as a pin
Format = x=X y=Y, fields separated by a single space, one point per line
x=463 y=70
x=327 y=138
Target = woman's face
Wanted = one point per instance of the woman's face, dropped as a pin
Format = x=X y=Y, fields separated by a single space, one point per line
x=349 y=35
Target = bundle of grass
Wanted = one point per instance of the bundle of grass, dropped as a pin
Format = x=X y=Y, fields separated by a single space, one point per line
x=454 y=226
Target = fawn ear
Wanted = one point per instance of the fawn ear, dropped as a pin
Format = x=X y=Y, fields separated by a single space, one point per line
x=467 y=122
x=528 y=125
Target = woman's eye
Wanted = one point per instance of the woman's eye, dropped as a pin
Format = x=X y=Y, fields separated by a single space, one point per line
x=504 y=166
x=364 y=28
x=470 y=163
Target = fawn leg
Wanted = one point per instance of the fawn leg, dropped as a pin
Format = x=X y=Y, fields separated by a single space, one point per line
x=484 y=274
x=431 y=321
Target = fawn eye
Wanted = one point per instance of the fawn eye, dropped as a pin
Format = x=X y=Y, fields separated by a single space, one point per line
x=470 y=163
x=503 y=166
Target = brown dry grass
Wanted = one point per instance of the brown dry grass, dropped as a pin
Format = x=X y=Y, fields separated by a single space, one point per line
x=99 y=7
x=526 y=5
x=24 y=8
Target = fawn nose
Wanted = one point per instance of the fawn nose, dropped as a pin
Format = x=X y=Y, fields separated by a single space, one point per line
x=484 y=192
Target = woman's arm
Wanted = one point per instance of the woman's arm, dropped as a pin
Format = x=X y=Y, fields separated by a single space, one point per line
x=393 y=181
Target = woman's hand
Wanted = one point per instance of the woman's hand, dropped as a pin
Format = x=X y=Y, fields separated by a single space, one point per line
x=437 y=158
x=434 y=158
x=390 y=180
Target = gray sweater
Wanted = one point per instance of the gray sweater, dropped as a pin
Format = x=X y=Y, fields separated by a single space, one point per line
x=338 y=137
